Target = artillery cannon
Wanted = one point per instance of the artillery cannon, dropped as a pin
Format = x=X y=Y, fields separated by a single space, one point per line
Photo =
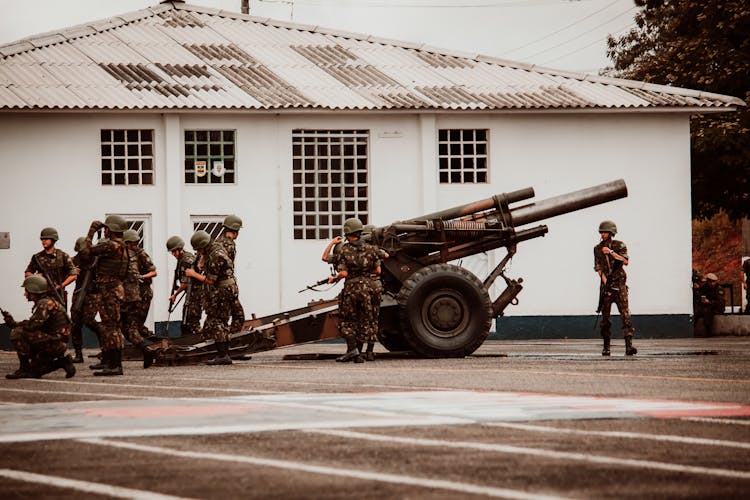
x=442 y=310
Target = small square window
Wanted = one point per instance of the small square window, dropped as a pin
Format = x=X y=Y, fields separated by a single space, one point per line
x=210 y=155
x=126 y=155
x=462 y=156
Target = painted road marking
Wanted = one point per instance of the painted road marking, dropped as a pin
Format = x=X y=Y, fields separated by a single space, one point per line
x=85 y=486
x=292 y=411
x=626 y=435
x=718 y=420
x=75 y=393
x=539 y=452
x=152 y=386
x=330 y=471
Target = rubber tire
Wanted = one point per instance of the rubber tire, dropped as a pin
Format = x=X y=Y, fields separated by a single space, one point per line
x=445 y=311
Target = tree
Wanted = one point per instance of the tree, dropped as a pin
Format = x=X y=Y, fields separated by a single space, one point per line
x=702 y=45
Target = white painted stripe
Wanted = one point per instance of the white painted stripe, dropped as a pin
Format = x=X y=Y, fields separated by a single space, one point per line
x=330 y=471
x=152 y=386
x=717 y=420
x=228 y=429
x=85 y=486
x=628 y=435
x=75 y=393
x=561 y=455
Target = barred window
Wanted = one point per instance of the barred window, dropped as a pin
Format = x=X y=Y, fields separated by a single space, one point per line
x=212 y=224
x=329 y=181
x=462 y=156
x=127 y=156
x=210 y=157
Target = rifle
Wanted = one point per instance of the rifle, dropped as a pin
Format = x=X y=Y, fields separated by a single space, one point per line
x=51 y=285
x=8 y=318
x=317 y=284
x=604 y=289
x=83 y=290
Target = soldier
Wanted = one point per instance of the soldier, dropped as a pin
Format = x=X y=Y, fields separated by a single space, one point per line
x=221 y=289
x=41 y=340
x=377 y=289
x=55 y=265
x=710 y=302
x=137 y=296
x=232 y=226
x=192 y=309
x=83 y=306
x=112 y=268
x=610 y=259
x=357 y=311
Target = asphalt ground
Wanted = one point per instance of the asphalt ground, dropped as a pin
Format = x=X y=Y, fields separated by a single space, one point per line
x=519 y=419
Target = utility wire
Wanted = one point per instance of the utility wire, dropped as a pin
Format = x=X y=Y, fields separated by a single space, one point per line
x=617 y=33
x=479 y=4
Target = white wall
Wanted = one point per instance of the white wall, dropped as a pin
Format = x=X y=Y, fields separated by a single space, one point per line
x=51 y=178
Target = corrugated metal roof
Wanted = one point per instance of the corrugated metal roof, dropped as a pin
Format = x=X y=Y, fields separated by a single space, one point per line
x=178 y=56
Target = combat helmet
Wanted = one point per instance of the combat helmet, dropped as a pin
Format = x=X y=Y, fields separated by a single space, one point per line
x=200 y=239
x=79 y=244
x=712 y=277
x=131 y=235
x=49 y=233
x=116 y=223
x=35 y=284
x=232 y=222
x=608 y=226
x=175 y=243
x=352 y=226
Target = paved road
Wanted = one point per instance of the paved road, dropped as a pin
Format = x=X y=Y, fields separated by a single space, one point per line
x=520 y=419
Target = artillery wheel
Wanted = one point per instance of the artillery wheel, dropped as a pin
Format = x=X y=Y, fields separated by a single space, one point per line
x=389 y=334
x=445 y=311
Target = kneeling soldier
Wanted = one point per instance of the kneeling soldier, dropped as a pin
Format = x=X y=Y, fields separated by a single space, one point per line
x=41 y=340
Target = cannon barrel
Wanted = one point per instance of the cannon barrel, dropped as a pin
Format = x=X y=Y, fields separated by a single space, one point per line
x=569 y=202
x=478 y=206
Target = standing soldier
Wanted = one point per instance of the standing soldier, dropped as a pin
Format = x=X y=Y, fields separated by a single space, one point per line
x=55 y=265
x=83 y=306
x=134 y=312
x=610 y=259
x=232 y=226
x=41 y=340
x=221 y=289
x=710 y=302
x=357 y=312
x=112 y=268
x=377 y=290
x=192 y=309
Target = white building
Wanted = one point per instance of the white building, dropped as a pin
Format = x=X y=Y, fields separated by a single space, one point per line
x=177 y=115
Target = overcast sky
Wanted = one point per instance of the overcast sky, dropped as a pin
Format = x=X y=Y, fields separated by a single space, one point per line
x=564 y=34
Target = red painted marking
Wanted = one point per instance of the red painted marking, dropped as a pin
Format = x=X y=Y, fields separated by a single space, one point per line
x=168 y=411
x=729 y=411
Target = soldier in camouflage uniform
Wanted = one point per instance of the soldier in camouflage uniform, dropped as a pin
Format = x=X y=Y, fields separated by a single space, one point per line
x=83 y=306
x=610 y=259
x=710 y=302
x=221 y=289
x=111 y=270
x=357 y=312
x=232 y=226
x=377 y=290
x=41 y=340
x=55 y=265
x=192 y=309
x=134 y=312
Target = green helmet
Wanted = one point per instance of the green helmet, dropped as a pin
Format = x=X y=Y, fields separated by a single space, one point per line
x=367 y=230
x=49 y=233
x=79 y=244
x=175 y=243
x=131 y=235
x=232 y=222
x=352 y=225
x=116 y=223
x=35 y=284
x=608 y=226
x=200 y=239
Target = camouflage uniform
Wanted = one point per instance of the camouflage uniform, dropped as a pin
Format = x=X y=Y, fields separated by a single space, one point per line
x=112 y=268
x=617 y=289
x=146 y=292
x=710 y=303
x=221 y=295
x=58 y=266
x=192 y=309
x=83 y=310
x=43 y=338
x=358 y=315
x=238 y=312
x=130 y=313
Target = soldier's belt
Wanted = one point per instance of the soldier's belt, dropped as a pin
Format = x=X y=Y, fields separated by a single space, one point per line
x=226 y=282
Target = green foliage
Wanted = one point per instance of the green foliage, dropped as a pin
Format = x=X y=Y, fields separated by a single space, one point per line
x=702 y=45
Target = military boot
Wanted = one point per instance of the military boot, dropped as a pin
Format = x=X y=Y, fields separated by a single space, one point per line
x=369 y=354
x=24 y=370
x=222 y=355
x=79 y=355
x=605 y=349
x=114 y=364
x=629 y=349
x=352 y=353
x=66 y=363
x=148 y=356
x=102 y=362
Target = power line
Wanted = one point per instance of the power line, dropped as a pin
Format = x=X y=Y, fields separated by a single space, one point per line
x=409 y=4
x=561 y=29
x=616 y=33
